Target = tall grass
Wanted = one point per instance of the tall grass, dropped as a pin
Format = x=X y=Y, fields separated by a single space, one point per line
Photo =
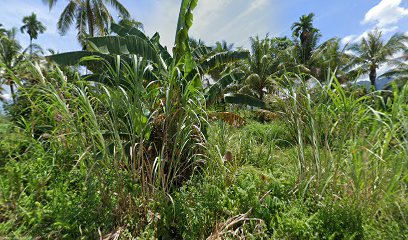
x=148 y=133
x=358 y=142
x=134 y=157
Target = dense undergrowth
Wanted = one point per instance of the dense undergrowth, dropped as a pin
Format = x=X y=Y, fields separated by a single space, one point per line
x=332 y=166
x=139 y=148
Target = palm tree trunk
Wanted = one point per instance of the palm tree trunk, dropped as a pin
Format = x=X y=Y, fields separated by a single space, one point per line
x=31 y=47
x=373 y=77
x=90 y=19
x=261 y=94
x=12 y=92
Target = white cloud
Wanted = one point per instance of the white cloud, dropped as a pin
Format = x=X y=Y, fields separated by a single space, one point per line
x=214 y=20
x=357 y=38
x=385 y=17
x=162 y=19
x=208 y=10
x=348 y=39
x=238 y=21
x=386 y=13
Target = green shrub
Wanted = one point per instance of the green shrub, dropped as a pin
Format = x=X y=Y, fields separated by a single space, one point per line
x=207 y=201
x=295 y=222
x=40 y=197
x=341 y=222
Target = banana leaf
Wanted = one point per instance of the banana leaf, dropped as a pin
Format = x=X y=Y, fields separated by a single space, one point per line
x=243 y=99
x=217 y=88
x=222 y=58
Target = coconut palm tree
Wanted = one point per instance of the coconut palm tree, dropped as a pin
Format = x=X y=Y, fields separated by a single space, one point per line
x=398 y=74
x=260 y=68
x=10 y=58
x=281 y=43
x=3 y=31
x=197 y=43
x=33 y=27
x=223 y=46
x=306 y=36
x=91 y=17
x=328 y=57
x=372 y=53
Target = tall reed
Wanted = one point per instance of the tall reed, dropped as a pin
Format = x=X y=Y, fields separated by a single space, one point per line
x=358 y=142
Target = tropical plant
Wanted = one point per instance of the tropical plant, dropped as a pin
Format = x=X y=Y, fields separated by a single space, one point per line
x=50 y=3
x=281 y=43
x=135 y=147
x=372 y=53
x=260 y=68
x=249 y=81
x=10 y=59
x=399 y=75
x=128 y=22
x=329 y=57
x=284 y=51
x=91 y=17
x=33 y=27
x=3 y=31
x=226 y=90
x=197 y=43
x=223 y=46
x=354 y=124
x=306 y=37
x=158 y=60
x=140 y=64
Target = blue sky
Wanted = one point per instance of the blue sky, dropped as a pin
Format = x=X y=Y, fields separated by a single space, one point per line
x=231 y=20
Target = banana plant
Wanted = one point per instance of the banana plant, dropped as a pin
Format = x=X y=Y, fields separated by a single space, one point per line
x=129 y=41
x=169 y=84
x=158 y=62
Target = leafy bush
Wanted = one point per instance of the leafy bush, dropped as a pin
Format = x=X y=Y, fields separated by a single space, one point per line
x=207 y=201
x=341 y=222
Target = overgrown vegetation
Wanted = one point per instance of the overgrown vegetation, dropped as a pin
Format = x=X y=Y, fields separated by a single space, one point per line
x=143 y=147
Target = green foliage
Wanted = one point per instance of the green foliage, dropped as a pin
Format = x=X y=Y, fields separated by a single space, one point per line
x=91 y=18
x=341 y=222
x=217 y=88
x=274 y=131
x=68 y=182
x=239 y=98
x=40 y=197
x=206 y=202
x=372 y=52
x=127 y=151
x=306 y=36
x=33 y=27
